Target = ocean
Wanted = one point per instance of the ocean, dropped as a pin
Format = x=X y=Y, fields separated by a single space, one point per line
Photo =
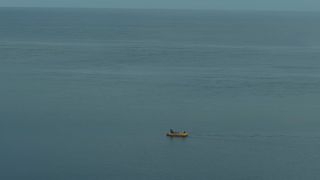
x=90 y=94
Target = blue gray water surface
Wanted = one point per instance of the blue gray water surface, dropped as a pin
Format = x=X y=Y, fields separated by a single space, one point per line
x=90 y=93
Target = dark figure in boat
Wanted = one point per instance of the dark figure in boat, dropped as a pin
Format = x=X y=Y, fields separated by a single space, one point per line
x=173 y=133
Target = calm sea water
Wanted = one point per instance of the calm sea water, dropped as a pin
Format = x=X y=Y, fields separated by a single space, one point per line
x=90 y=93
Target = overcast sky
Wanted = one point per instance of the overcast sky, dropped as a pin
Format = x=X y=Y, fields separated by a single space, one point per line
x=297 y=5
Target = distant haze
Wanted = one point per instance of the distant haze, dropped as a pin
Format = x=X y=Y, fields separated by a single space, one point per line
x=295 y=5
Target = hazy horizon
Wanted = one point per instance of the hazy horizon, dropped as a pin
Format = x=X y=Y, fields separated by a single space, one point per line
x=262 y=5
x=160 y=9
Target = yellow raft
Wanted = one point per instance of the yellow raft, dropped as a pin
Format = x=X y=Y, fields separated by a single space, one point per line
x=177 y=134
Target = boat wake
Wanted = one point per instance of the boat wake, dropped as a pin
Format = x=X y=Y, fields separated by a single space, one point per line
x=254 y=136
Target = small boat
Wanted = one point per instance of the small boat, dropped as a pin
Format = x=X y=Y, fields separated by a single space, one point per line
x=177 y=134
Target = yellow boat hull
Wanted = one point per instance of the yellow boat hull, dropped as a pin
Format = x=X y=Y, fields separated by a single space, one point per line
x=178 y=134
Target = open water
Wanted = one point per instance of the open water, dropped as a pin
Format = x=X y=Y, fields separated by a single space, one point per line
x=88 y=94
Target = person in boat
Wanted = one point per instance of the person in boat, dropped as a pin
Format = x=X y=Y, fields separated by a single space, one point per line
x=172 y=131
